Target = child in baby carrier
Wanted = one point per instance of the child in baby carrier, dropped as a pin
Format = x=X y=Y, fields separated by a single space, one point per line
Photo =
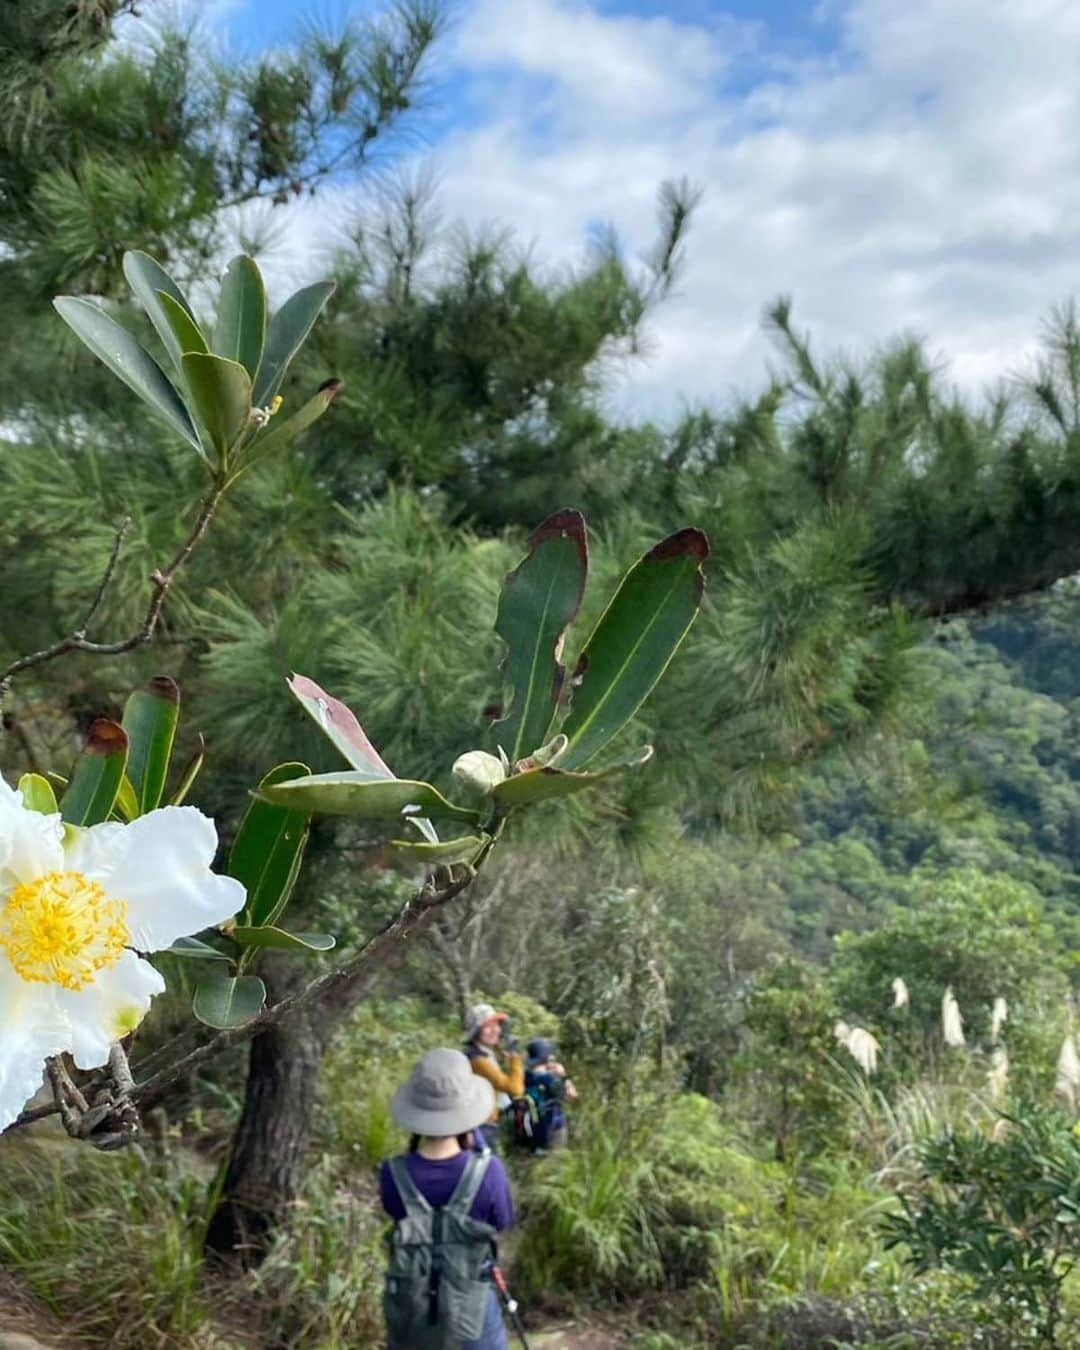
x=539 y=1119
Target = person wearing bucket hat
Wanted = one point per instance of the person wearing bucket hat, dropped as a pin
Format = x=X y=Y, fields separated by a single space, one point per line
x=484 y=1028
x=448 y=1202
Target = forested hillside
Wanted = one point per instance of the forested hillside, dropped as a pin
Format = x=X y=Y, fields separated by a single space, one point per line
x=865 y=771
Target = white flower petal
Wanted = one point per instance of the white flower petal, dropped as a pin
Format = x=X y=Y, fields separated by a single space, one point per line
x=31 y=843
x=164 y=876
x=103 y=1012
x=32 y=1027
x=97 y=851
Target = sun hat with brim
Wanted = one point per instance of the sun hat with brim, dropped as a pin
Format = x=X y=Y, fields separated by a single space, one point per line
x=443 y=1096
x=479 y=1015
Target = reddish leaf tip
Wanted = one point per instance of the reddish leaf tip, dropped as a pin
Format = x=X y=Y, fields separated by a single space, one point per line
x=564 y=522
x=689 y=542
x=105 y=737
x=331 y=388
x=164 y=687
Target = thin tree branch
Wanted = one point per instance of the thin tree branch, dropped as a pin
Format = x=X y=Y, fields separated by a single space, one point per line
x=372 y=957
x=106 y=579
x=161 y=579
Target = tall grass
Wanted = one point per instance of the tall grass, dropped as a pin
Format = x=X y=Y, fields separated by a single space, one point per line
x=112 y=1249
x=113 y=1246
x=887 y=1129
x=675 y=1202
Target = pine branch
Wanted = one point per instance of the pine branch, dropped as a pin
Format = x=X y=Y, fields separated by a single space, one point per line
x=161 y=578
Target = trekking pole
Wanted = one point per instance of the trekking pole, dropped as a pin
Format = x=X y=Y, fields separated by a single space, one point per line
x=510 y=1303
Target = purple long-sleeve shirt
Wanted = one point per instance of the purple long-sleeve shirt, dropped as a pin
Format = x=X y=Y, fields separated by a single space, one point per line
x=436 y=1179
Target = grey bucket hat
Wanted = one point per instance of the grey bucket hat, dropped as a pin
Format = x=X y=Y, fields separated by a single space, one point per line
x=443 y=1096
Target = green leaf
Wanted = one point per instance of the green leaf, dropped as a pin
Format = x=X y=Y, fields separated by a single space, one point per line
x=241 y=317
x=461 y=849
x=540 y=599
x=634 y=640
x=191 y=949
x=268 y=850
x=127 y=802
x=221 y=393
x=156 y=291
x=285 y=336
x=542 y=784
x=358 y=794
x=127 y=359
x=38 y=794
x=226 y=1002
x=268 y=936
x=150 y=717
x=280 y=434
x=186 y=332
x=99 y=771
x=189 y=773
x=340 y=726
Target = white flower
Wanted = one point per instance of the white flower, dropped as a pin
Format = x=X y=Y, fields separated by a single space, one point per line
x=998 y=1017
x=900 y=993
x=76 y=906
x=952 y=1024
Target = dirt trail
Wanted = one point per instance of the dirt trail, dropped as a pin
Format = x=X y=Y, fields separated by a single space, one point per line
x=570 y=1337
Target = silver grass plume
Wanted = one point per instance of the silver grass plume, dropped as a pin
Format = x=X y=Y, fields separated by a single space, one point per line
x=998 y=1017
x=1067 y=1079
x=952 y=1024
x=997 y=1079
x=860 y=1044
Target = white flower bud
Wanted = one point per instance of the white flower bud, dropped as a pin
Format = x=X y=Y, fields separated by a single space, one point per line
x=479 y=772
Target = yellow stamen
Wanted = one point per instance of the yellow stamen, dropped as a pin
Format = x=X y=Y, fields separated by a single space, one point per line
x=62 y=929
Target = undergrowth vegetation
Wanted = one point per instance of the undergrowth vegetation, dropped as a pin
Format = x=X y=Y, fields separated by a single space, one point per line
x=669 y=1220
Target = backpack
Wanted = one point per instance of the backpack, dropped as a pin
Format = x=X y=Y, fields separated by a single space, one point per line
x=439 y=1279
x=523 y=1117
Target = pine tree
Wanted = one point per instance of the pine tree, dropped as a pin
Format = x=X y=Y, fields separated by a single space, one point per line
x=844 y=501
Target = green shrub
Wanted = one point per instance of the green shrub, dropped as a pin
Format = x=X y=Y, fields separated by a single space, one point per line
x=1002 y=1210
x=369 y=1061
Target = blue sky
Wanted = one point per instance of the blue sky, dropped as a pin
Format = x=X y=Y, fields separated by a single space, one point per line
x=896 y=165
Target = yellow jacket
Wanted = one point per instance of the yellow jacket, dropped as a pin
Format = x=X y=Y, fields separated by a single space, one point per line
x=510 y=1080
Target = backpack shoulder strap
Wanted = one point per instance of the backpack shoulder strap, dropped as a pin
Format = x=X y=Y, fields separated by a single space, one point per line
x=469 y=1183
x=411 y=1197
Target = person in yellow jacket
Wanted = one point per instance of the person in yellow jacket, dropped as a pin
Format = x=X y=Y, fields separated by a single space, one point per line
x=501 y=1065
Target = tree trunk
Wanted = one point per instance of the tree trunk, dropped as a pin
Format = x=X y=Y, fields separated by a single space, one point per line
x=270 y=1145
x=265 y=1171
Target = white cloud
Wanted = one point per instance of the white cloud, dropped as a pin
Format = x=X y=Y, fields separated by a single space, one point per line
x=924 y=176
